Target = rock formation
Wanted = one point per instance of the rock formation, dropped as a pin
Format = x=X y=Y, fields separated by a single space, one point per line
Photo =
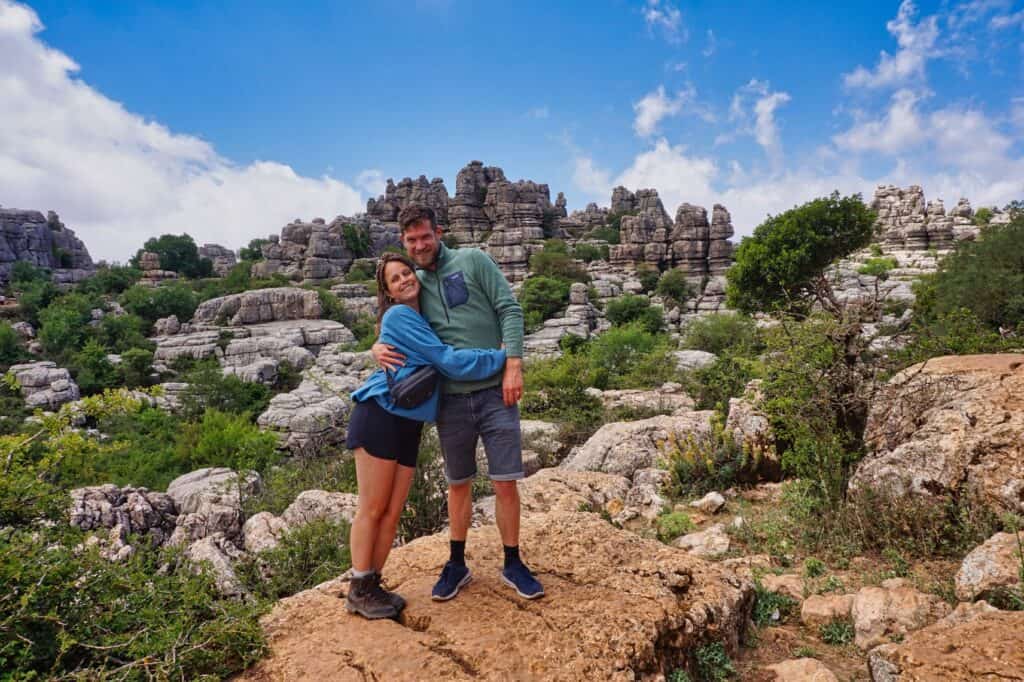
x=45 y=385
x=43 y=241
x=906 y=221
x=223 y=259
x=953 y=426
x=259 y=305
x=387 y=206
x=152 y=275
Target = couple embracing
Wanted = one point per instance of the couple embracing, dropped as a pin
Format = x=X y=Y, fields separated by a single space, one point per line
x=451 y=309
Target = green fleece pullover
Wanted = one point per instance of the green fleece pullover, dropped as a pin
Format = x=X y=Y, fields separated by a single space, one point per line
x=469 y=303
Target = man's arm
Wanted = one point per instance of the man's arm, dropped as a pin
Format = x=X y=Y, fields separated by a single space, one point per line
x=386 y=357
x=510 y=316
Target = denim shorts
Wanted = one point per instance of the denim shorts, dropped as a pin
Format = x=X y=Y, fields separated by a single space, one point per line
x=465 y=417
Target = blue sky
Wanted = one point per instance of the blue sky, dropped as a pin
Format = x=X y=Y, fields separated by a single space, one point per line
x=227 y=121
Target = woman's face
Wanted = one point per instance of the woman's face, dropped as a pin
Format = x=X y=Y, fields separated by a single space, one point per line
x=401 y=281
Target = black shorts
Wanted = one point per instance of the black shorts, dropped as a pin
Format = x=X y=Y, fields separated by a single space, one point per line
x=382 y=434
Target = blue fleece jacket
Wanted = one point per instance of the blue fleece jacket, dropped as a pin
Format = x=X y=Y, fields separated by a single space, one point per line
x=411 y=335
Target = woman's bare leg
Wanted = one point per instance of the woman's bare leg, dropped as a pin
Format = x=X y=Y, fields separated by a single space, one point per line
x=376 y=482
x=389 y=522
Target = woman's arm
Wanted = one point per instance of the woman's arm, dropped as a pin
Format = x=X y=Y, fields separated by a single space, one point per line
x=471 y=364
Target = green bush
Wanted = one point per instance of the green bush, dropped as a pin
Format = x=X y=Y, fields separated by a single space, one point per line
x=283 y=483
x=771 y=608
x=629 y=357
x=588 y=253
x=630 y=309
x=983 y=216
x=64 y=324
x=305 y=557
x=357 y=240
x=701 y=462
x=227 y=440
x=24 y=273
x=92 y=370
x=253 y=252
x=724 y=335
x=136 y=367
x=109 y=280
x=152 y=303
x=209 y=388
x=12 y=407
x=119 y=333
x=713 y=663
x=361 y=271
x=674 y=287
x=607 y=233
x=878 y=267
x=178 y=253
x=649 y=278
x=11 y=350
x=837 y=632
x=542 y=297
x=557 y=264
x=814 y=568
x=673 y=524
x=725 y=378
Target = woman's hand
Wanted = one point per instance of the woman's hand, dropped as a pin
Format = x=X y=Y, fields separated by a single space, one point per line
x=387 y=357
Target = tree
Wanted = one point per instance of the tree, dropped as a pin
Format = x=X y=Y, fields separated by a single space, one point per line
x=543 y=297
x=629 y=309
x=152 y=303
x=177 y=253
x=783 y=264
x=254 y=251
x=674 y=287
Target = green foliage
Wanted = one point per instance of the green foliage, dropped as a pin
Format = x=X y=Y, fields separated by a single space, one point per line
x=875 y=250
x=713 y=663
x=958 y=332
x=64 y=324
x=725 y=378
x=814 y=568
x=674 y=288
x=542 y=297
x=770 y=608
x=227 y=440
x=629 y=357
x=357 y=239
x=12 y=407
x=649 y=278
x=783 y=262
x=109 y=280
x=426 y=509
x=70 y=613
x=608 y=233
x=209 y=388
x=93 y=371
x=678 y=675
x=11 y=350
x=878 y=267
x=119 y=333
x=141 y=452
x=983 y=216
x=136 y=367
x=558 y=264
x=253 y=252
x=701 y=462
x=837 y=632
x=724 y=335
x=305 y=557
x=673 y=524
x=985 y=276
x=630 y=309
x=283 y=483
x=24 y=273
x=178 y=253
x=361 y=325
x=588 y=253
x=152 y=303
x=361 y=271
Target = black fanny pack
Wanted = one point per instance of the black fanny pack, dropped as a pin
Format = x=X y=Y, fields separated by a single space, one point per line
x=414 y=389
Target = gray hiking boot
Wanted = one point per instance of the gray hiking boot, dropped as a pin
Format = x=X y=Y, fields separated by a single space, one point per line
x=366 y=598
x=394 y=598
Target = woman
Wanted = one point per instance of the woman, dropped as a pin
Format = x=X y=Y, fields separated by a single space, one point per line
x=385 y=438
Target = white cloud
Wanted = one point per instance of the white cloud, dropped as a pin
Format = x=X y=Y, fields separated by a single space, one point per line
x=590 y=178
x=538 y=113
x=916 y=45
x=371 y=181
x=967 y=138
x=1008 y=20
x=712 y=44
x=676 y=176
x=656 y=106
x=759 y=119
x=666 y=18
x=116 y=178
x=901 y=128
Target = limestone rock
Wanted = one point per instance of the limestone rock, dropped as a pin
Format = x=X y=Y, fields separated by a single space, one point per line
x=623 y=447
x=134 y=510
x=617 y=607
x=262 y=531
x=992 y=565
x=711 y=503
x=690 y=360
x=710 y=542
x=821 y=609
x=750 y=428
x=802 y=670
x=45 y=385
x=218 y=554
x=984 y=647
x=894 y=609
x=209 y=501
x=223 y=259
x=320 y=505
x=259 y=305
x=44 y=242
x=551 y=490
x=420 y=192
x=951 y=426
x=788 y=584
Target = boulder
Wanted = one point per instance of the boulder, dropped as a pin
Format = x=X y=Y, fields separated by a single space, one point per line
x=821 y=609
x=209 y=501
x=690 y=360
x=751 y=429
x=618 y=607
x=320 y=505
x=259 y=305
x=45 y=385
x=623 y=447
x=802 y=670
x=218 y=554
x=892 y=610
x=991 y=566
x=262 y=531
x=134 y=510
x=985 y=647
x=711 y=503
x=668 y=399
x=787 y=584
x=710 y=542
x=952 y=426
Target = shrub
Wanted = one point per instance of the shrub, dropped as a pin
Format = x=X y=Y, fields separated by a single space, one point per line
x=178 y=253
x=616 y=356
x=702 y=462
x=724 y=335
x=136 y=367
x=983 y=216
x=209 y=388
x=649 y=278
x=634 y=309
x=674 y=524
x=770 y=608
x=878 y=267
x=34 y=297
x=24 y=273
x=361 y=271
x=357 y=240
x=152 y=303
x=12 y=407
x=542 y=297
x=608 y=233
x=64 y=324
x=253 y=252
x=93 y=371
x=713 y=664
x=305 y=557
x=837 y=632
x=109 y=280
x=557 y=264
x=142 y=452
x=725 y=378
x=674 y=287
x=119 y=333
x=11 y=350
x=589 y=253
x=227 y=440
x=283 y=483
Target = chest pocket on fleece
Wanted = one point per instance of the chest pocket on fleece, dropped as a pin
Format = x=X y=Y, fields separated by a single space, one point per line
x=455 y=290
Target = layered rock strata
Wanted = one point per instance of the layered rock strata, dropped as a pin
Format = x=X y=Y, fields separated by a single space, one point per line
x=420 y=192
x=223 y=259
x=45 y=385
x=43 y=241
x=905 y=220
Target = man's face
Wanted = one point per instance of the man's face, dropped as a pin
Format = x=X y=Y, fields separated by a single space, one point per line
x=422 y=243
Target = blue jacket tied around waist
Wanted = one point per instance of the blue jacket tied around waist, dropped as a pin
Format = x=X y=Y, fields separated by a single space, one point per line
x=406 y=330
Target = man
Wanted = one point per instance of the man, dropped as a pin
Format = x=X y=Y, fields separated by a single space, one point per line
x=468 y=302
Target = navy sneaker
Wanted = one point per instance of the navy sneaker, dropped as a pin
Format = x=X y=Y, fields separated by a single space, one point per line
x=453 y=578
x=518 y=577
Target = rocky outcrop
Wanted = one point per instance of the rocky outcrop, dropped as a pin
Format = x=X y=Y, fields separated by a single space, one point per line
x=420 y=192
x=43 y=241
x=580 y=319
x=259 y=305
x=223 y=258
x=660 y=604
x=356 y=298
x=45 y=385
x=209 y=501
x=582 y=223
x=668 y=399
x=152 y=274
x=950 y=426
x=133 y=510
x=892 y=611
x=264 y=530
x=984 y=645
x=906 y=221
x=991 y=567
x=749 y=426
x=802 y=669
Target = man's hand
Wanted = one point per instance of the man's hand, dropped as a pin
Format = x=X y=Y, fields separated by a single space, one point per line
x=388 y=358
x=512 y=382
